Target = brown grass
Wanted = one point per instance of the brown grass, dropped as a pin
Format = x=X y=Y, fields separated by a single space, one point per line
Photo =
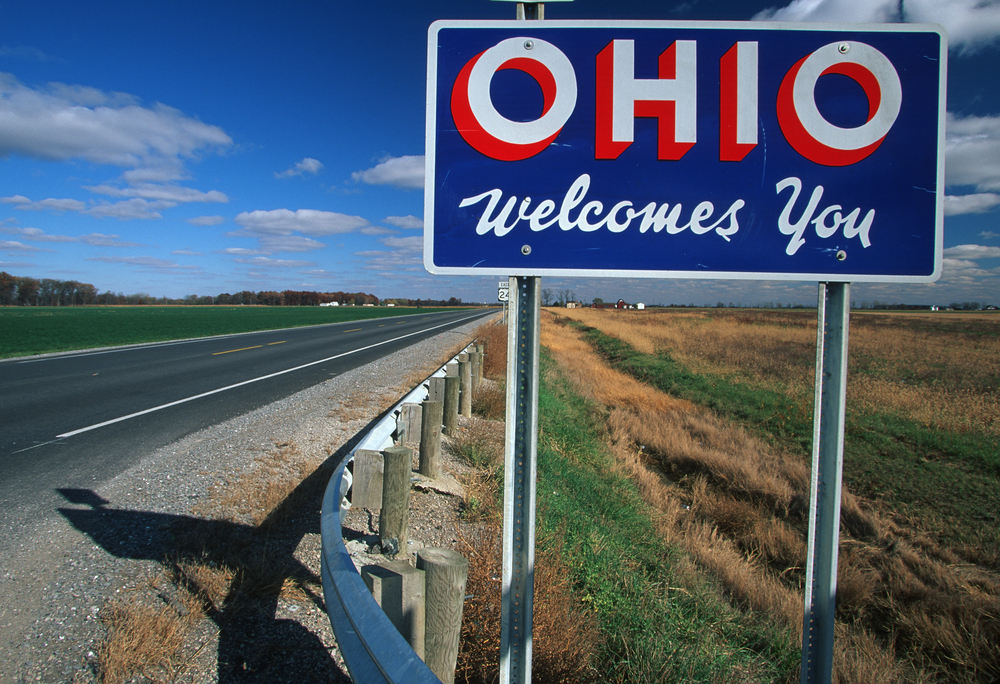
x=564 y=635
x=480 y=443
x=493 y=337
x=907 y=609
x=145 y=639
x=941 y=370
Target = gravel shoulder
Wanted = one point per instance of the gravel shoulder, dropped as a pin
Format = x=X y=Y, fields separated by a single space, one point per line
x=117 y=543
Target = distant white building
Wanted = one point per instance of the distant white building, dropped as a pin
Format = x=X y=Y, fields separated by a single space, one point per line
x=640 y=306
x=330 y=304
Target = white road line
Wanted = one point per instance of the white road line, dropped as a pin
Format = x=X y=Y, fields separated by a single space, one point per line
x=247 y=382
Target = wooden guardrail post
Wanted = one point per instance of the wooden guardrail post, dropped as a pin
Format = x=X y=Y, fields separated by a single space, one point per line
x=465 y=385
x=430 y=439
x=394 y=520
x=435 y=389
x=481 y=350
x=475 y=361
x=451 y=404
x=398 y=588
x=445 y=574
x=366 y=489
x=410 y=414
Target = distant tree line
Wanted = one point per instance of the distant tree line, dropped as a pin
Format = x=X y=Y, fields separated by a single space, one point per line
x=16 y=291
x=26 y=291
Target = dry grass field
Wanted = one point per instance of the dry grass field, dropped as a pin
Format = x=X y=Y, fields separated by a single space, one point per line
x=940 y=369
x=919 y=579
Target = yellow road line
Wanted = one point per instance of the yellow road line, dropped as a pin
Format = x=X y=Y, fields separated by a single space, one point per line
x=355 y=330
x=272 y=343
x=236 y=350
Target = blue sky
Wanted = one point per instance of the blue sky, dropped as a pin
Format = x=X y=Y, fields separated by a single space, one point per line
x=199 y=148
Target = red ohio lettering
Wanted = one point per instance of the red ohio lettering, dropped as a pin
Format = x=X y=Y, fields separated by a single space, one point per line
x=671 y=98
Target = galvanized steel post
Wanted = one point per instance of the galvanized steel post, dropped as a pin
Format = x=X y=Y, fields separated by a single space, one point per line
x=520 y=466
x=829 y=415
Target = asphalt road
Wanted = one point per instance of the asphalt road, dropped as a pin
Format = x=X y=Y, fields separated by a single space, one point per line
x=77 y=420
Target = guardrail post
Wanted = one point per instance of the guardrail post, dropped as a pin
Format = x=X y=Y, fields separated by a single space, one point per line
x=398 y=588
x=465 y=386
x=451 y=405
x=394 y=520
x=475 y=361
x=410 y=416
x=445 y=575
x=435 y=389
x=481 y=350
x=451 y=369
x=430 y=439
x=366 y=489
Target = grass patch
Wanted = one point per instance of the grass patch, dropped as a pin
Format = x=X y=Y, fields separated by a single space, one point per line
x=39 y=330
x=918 y=585
x=946 y=479
x=662 y=621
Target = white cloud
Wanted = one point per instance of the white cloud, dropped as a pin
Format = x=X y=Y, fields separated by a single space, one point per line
x=186 y=252
x=377 y=230
x=976 y=203
x=135 y=208
x=405 y=255
x=402 y=172
x=206 y=220
x=972 y=152
x=101 y=240
x=972 y=252
x=15 y=246
x=412 y=244
x=405 y=222
x=289 y=243
x=50 y=204
x=953 y=269
x=267 y=262
x=63 y=122
x=989 y=235
x=306 y=221
x=161 y=192
x=37 y=235
x=833 y=10
x=146 y=262
x=307 y=165
x=970 y=24
x=128 y=209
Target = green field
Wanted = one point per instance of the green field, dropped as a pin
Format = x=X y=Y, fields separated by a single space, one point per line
x=39 y=330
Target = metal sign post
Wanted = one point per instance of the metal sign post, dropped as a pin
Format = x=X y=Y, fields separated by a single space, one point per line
x=825 y=485
x=520 y=464
x=520 y=459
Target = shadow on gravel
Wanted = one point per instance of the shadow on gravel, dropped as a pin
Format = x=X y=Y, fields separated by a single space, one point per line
x=258 y=564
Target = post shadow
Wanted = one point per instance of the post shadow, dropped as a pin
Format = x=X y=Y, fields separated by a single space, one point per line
x=254 y=644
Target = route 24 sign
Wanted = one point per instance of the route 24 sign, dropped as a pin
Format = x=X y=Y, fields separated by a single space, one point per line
x=687 y=150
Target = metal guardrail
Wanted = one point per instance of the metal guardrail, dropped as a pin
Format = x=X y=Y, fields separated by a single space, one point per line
x=374 y=651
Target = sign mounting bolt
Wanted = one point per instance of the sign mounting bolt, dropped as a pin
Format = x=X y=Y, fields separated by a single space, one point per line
x=528 y=44
x=841 y=255
x=844 y=48
x=526 y=250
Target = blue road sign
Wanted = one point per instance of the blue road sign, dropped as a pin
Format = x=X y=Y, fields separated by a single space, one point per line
x=685 y=150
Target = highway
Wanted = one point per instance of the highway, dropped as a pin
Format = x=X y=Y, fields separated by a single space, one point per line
x=77 y=420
